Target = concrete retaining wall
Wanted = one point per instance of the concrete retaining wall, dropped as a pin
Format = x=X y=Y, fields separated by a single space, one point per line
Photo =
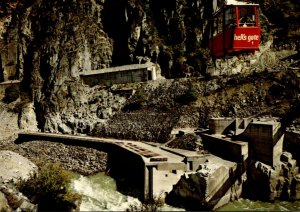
x=226 y=148
x=121 y=77
x=121 y=74
x=219 y=125
x=266 y=141
x=292 y=143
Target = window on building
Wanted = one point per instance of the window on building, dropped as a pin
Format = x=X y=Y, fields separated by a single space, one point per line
x=215 y=28
x=230 y=17
x=246 y=16
x=220 y=24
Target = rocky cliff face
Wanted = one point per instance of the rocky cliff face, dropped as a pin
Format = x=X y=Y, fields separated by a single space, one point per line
x=13 y=168
x=54 y=42
x=47 y=44
x=270 y=183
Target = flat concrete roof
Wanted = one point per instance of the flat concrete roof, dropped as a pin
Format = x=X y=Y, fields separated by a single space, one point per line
x=265 y=121
x=227 y=139
x=239 y=3
x=117 y=69
x=223 y=118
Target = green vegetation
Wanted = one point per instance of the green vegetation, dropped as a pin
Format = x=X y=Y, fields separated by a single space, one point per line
x=11 y=94
x=187 y=98
x=139 y=101
x=48 y=188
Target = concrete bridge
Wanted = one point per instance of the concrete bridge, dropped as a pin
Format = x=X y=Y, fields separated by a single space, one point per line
x=146 y=169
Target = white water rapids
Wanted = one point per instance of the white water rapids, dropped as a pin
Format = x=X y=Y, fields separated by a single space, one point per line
x=99 y=193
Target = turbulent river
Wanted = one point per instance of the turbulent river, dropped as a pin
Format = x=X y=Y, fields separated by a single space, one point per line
x=100 y=194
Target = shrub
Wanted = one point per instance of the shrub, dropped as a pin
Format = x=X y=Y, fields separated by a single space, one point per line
x=147 y=206
x=138 y=101
x=11 y=94
x=48 y=188
x=188 y=97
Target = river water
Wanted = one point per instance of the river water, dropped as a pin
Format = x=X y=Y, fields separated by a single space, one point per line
x=245 y=204
x=99 y=193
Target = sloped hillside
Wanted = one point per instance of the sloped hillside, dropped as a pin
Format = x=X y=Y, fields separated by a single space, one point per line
x=159 y=107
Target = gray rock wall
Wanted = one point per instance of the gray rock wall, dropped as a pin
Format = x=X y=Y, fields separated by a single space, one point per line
x=14 y=167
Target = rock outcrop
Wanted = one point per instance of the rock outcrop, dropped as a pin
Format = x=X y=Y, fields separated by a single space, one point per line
x=215 y=183
x=13 y=168
x=47 y=44
x=271 y=183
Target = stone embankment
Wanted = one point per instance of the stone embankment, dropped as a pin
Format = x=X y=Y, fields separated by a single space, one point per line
x=82 y=160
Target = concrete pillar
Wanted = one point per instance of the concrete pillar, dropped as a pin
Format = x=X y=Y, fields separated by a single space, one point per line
x=1 y=70
x=153 y=73
x=150 y=168
x=146 y=183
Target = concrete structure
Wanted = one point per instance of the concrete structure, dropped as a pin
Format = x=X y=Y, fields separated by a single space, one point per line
x=4 y=85
x=266 y=140
x=121 y=74
x=150 y=170
x=264 y=137
x=225 y=147
x=146 y=171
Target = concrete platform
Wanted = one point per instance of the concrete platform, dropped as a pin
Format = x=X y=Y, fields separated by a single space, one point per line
x=160 y=169
x=225 y=147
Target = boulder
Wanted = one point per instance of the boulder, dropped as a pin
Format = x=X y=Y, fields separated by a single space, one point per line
x=3 y=203
x=295 y=188
x=14 y=166
x=212 y=185
x=27 y=119
x=16 y=200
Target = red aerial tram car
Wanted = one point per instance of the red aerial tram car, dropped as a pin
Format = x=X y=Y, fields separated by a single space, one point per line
x=234 y=29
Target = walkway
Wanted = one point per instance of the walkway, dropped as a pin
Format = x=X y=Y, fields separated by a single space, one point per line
x=150 y=154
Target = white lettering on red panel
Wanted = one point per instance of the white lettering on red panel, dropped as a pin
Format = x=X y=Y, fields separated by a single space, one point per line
x=248 y=38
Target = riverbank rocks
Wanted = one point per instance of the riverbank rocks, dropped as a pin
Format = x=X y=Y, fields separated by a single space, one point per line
x=295 y=188
x=14 y=167
x=208 y=187
x=268 y=183
x=16 y=201
x=3 y=203
x=83 y=160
